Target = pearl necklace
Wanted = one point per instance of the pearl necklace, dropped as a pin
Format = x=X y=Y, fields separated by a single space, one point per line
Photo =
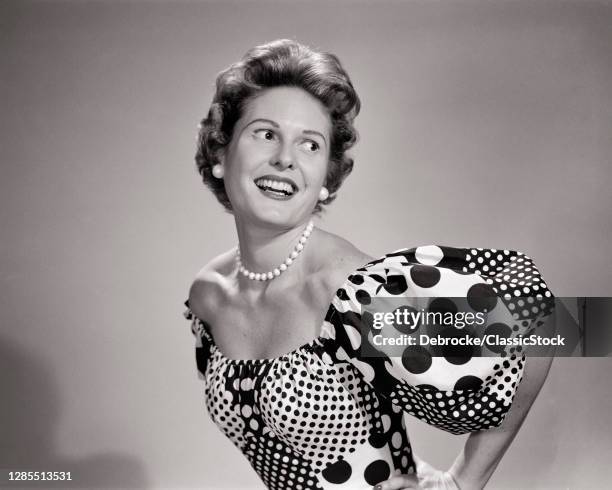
x=277 y=271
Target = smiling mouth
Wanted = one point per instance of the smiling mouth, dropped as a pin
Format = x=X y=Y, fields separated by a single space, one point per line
x=276 y=187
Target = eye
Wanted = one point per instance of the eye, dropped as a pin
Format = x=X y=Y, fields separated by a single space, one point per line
x=265 y=134
x=311 y=146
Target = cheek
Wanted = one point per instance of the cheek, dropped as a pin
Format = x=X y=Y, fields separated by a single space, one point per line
x=238 y=161
x=317 y=170
x=253 y=154
x=236 y=170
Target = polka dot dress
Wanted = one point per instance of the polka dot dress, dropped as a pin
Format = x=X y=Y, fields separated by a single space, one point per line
x=324 y=416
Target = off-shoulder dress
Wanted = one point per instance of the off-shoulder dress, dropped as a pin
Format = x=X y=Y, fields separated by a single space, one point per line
x=324 y=416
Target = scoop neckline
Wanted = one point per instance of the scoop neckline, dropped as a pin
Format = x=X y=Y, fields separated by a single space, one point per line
x=291 y=353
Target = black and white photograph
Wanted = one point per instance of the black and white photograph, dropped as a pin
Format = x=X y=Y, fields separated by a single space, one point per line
x=306 y=244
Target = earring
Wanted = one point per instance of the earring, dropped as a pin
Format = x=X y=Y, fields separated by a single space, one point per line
x=218 y=171
x=323 y=194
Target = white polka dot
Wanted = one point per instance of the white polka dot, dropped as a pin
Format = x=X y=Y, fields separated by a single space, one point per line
x=396 y=440
x=429 y=255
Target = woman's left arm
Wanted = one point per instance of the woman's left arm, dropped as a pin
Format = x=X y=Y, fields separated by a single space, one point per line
x=483 y=450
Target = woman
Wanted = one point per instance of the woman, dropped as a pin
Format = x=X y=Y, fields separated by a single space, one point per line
x=286 y=378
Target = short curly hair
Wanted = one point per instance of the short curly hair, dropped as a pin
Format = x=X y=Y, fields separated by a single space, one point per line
x=280 y=63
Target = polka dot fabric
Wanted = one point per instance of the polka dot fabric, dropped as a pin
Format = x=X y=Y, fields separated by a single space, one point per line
x=302 y=421
x=324 y=417
x=458 y=394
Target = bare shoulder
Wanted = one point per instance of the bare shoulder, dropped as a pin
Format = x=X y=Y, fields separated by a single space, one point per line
x=338 y=257
x=210 y=284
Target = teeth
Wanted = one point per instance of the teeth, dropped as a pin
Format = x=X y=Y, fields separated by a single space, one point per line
x=275 y=185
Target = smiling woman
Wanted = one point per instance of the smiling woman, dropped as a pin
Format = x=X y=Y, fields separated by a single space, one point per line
x=280 y=342
x=281 y=64
x=290 y=128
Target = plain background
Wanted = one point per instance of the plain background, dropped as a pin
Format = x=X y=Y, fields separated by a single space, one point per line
x=483 y=124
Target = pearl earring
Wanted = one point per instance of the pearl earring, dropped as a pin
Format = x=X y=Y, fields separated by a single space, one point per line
x=323 y=194
x=217 y=171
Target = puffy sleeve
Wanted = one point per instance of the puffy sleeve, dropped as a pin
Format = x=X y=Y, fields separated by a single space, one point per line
x=462 y=389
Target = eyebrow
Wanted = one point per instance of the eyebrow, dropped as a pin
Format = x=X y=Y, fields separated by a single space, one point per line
x=276 y=125
x=269 y=121
x=310 y=131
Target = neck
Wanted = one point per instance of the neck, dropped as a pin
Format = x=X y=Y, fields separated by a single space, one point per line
x=263 y=249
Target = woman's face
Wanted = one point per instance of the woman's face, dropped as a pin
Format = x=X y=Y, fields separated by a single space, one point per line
x=276 y=162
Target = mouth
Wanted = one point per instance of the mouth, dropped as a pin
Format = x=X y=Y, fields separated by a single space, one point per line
x=276 y=187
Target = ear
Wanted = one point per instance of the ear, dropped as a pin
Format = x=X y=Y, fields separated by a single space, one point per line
x=221 y=156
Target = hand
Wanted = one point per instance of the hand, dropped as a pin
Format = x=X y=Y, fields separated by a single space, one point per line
x=426 y=478
x=431 y=478
x=399 y=482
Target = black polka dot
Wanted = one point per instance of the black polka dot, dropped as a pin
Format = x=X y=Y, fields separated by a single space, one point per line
x=395 y=284
x=376 y=472
x=427 y=387
x=424 y=276
x=356 y=279
x=442 y=305
x=457 y=354
x=468 y=383
x=363 y=297
x=482 y=297
x=377 y=440
x=337 y=473
x=416 y=359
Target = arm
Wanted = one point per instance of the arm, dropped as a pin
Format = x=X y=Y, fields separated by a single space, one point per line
x=483 y=450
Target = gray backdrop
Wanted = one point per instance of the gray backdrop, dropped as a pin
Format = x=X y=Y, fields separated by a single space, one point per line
x=483 y=124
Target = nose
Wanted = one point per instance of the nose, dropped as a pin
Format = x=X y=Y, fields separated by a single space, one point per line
x=283 y=159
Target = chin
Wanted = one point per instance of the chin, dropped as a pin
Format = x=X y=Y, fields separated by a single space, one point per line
x=262 y=211
x=282 y=218
x=279 y=220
